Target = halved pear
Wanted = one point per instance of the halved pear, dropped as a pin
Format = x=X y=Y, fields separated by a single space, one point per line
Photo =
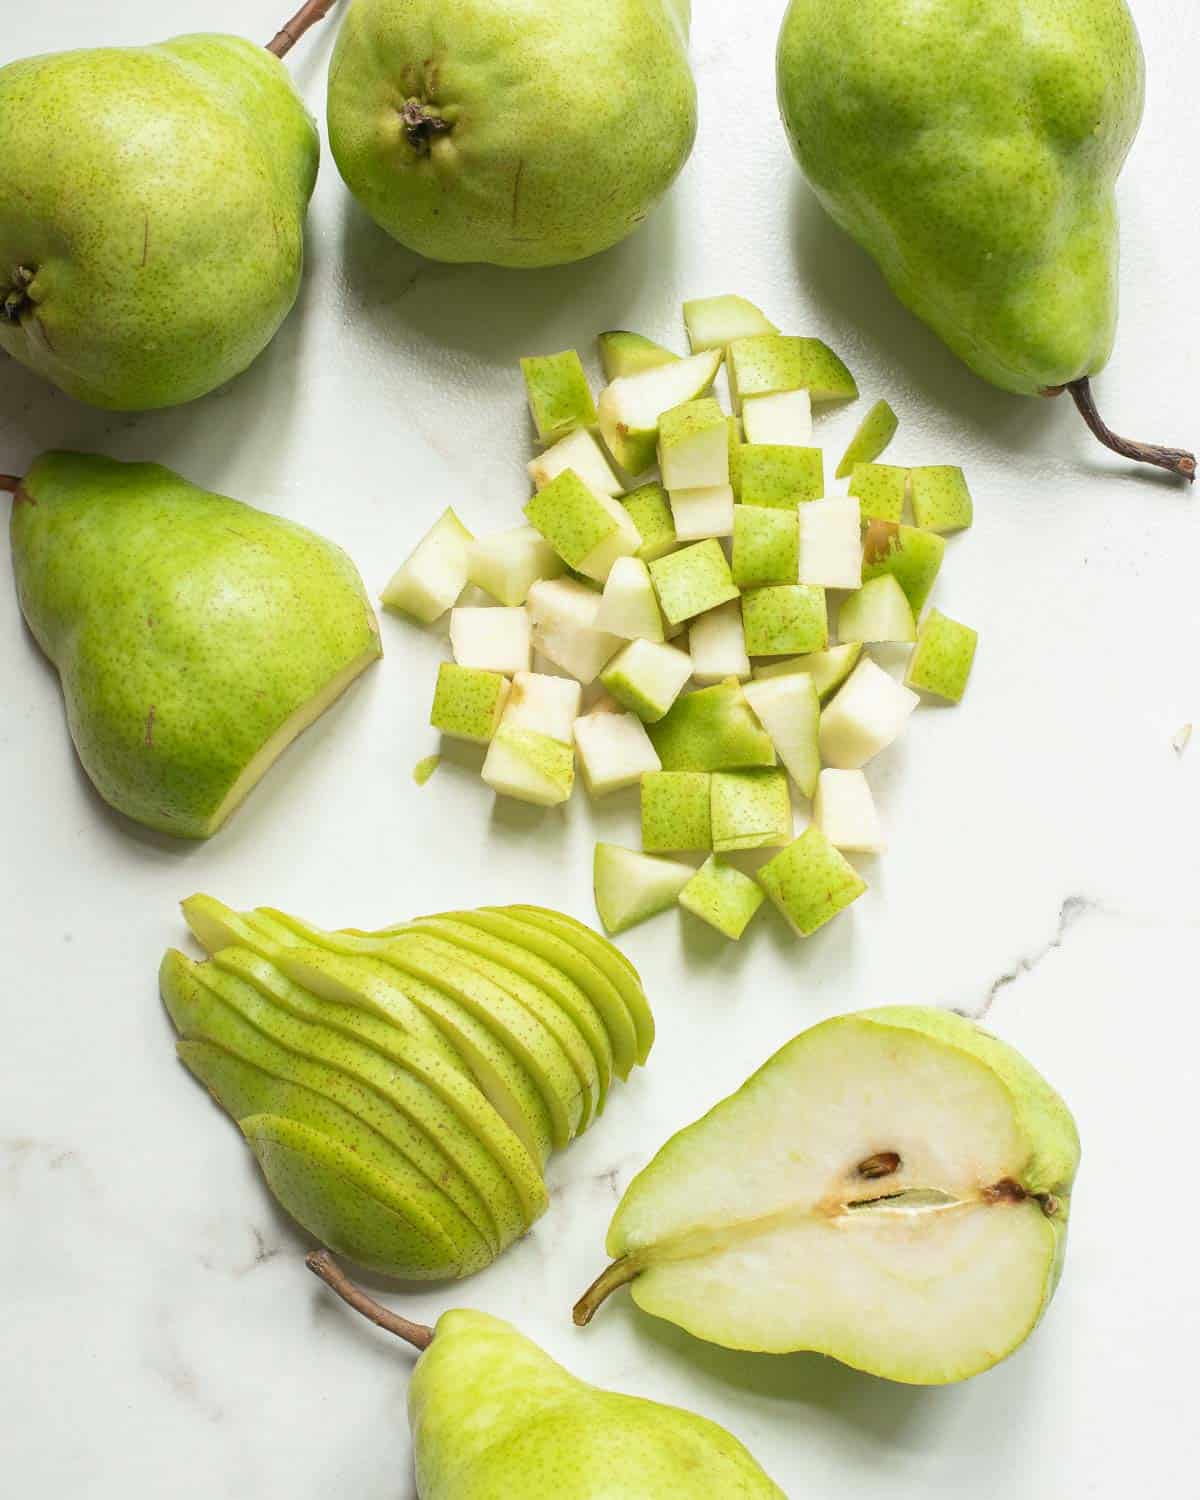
x=890 y=1189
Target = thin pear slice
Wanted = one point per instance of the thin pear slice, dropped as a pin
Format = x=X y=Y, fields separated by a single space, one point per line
x=890 y=1189
x=563 y=991
x=605 y=956
x=341 y=967
x=490 y=1146
x=203 y=1012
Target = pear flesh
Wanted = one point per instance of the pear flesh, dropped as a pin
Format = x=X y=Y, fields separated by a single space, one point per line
x=890 y=1189
x=195 y=636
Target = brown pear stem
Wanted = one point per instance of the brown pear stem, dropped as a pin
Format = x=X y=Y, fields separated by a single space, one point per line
x=322 y=1264
x=10 y=482
x=1174 y=460
x=291 y=31
x=618 y=1274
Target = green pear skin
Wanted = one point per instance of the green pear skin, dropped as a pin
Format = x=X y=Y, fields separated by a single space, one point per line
x=152 y=210
x=517 y=132
x=195 y=636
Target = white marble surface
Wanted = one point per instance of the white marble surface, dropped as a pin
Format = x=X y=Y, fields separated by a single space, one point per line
x=160 y=1334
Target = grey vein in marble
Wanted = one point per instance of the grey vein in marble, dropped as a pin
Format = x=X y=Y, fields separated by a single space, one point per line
x=1069 y=913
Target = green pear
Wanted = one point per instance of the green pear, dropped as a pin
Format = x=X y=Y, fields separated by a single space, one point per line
x=195 y=636
x=494 y=1417
x=973 y=148
x=891 y=1189
x=152 y=211
x=676 y=810
x=511 y=131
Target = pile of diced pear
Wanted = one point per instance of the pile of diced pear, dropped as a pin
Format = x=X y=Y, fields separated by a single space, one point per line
x=693 y=606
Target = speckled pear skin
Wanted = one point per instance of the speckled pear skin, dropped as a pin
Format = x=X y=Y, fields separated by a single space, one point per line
x=157 y=194
x=494 y=1417
x=187 y=628
x=972 y=147
x=538 y=131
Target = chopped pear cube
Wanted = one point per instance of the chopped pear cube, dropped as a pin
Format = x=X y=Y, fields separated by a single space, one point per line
x=647 y=677
x=831 y=543
x=625 y=353
x=844 y=811
x=766 y=364
x=810 y=882
x=714 y=322
x=784 y=420
x=508 y=563
x=717 y=645
x=712 y=729
x=589 y=531
x=941 y=663
x=650 y=511
x=492 y=639
x=563 y=613
x=549 y=705
x=559 y=397
x=676 y=811
x=864 y=718
x=941 y=501
x=631 y=887
x=875 y=432
x=785 y=619
x=468 y=703
x=629 y=605
x=722 y=896
x=580 y=451
x=430 y=581
x=790 y=711
x=877 y=612
x=750 y=809
x=736 y=448
x=881 y=490
x=778 y=475
x=913 y=555
x=693 y=580
x=702 y=513
x=828 y=669
x=693 y=445
x=766 y=546
x=630 y=407
x=614 y=750
x=530 y=767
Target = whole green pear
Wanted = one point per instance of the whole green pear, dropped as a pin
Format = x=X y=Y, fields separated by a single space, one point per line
x=493 y=1417
x=520 y=132
x=152 y=205
x=973 y=148
x=195 y=636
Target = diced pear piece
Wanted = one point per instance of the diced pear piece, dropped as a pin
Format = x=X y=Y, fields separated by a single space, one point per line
x=492 y=639
x=647 y=677
x=713 y=322
x=717 y=645
x=844 y=811
x=876 y=613
x=580 y=451
x=614 y=750
x=563 y=612
x=831 y=543
x=468 y=703
x=693 y=580
x=750 y=809
x=589 y=531
x=780 y=475
x=698 y=514
x=828 y=669
x=766 y=546
x=433 y=576
x=782 y=420
x=547 y=705
x=769 y=363
x=790 y=711
x=625 y=353
x=810 y=882
x=913 y=555
x=559 y=396
x=693 y=445
x=630 y=407
x=941 y=663
x=941 y=501
x=530 y=767
x=712 y=729
x=650 y=511
x=785 y=619
x=676 y=810
x=629 y=605
x=864 y=718
x=508 y=563
x=881 y=491
x=631 y=887
x=875 y=432
x=736 y=449
x=722 y=896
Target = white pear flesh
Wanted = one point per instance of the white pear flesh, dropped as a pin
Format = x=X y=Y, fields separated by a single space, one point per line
x=866 y=716
x=701 y=513
x=430 y=580
x=784 y=419
x=614 y=749
x=844 y=810
x=789 y=709
x=491 y=639
x=529 y=767
x=563 y=613
x=507 y=564
x=580 y=451
x=630 y=407
x=547 y=705
x=831 y=543
x=717 y=645
x=630 y=887
x=714 y=322
x=629 y=605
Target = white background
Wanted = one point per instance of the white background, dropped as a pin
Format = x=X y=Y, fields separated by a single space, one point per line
x=160 y=1334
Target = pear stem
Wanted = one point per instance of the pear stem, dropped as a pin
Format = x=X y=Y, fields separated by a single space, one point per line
x=620 y=1272
x=1175 y=460
x=10 y=482
x=322 y=1264
x=291 y=31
